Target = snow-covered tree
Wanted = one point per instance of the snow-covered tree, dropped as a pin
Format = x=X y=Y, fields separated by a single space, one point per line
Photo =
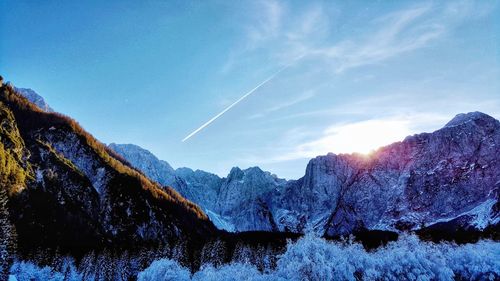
x=27 y=271
x=7 y=236
x=164 y=270
x=87 y=267
x=123 y=270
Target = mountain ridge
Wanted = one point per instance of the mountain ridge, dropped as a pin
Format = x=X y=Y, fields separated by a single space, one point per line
x=324 y=192
x=286 y=217
x=67 y=191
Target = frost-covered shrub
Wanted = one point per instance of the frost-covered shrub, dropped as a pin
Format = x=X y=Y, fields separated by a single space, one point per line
x=26 y=271
x=309 y=258
x=312 y=258
x=480 y=261
x=164 y=270
x=232 y=272
x=407 y=259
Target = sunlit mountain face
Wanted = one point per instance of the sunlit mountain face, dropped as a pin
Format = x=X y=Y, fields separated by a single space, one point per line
x=249 y=140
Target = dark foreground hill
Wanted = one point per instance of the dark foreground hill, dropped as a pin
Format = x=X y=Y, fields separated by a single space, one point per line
x=67 y=191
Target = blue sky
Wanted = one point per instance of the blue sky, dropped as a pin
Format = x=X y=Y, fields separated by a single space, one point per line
x=152 y=72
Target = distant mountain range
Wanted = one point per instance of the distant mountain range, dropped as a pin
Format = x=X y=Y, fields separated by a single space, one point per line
x=447 y=177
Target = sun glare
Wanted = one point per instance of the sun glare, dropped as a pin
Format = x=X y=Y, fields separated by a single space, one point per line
x=366 y=136
x=362 y=137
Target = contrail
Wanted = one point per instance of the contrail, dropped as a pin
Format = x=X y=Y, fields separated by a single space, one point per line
x=240 y=99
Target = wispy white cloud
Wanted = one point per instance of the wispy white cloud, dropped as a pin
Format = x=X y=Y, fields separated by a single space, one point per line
x=266 y=23
x=398 y=33
x=388 y=116
x=296 y=100
x=285 y=34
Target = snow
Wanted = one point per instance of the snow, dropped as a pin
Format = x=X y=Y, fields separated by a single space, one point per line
x=220 y=222
x=39 y=176
x=481 y=216
x=26 y=271
x=313 y=258
x=165 y=270
x=463 y=118
x=390 y=188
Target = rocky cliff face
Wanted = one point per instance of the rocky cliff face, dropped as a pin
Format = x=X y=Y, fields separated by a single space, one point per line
x=452 y=173
x=425 y=179
x=245 y=198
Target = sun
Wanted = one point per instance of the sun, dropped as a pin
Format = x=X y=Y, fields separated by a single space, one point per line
x=359 y=137
x=366 y=136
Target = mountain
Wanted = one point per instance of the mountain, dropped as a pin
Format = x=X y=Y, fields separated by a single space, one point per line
x=452 y=173
x=197 y=186
x=35 y=98
x=245 y=197
x=449 y=176
x=145 y=161
x=220 y=198
x=203 y=187
x=67 y=191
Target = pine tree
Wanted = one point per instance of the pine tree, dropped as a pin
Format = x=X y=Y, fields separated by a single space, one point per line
x=7 y=236
x=88 y=267
x=123 y=270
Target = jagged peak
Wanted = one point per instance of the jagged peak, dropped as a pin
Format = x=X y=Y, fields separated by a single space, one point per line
x=254 y=169
x=235 y=173
x=185 y=171
x=462 y=118
x=132 y=151
x=238 y=172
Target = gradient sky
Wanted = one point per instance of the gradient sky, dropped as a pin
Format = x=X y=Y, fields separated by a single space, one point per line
x=151 y=72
